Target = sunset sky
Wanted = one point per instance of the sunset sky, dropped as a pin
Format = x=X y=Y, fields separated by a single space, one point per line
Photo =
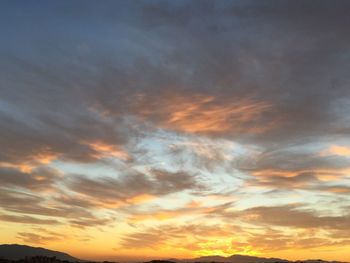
x=149 y=129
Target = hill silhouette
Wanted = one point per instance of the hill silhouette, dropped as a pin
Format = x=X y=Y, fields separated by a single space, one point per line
x=242 y=259
x=16 y=252
x=237 y=259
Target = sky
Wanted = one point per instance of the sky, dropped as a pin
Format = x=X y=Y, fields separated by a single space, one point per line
x=161 y=129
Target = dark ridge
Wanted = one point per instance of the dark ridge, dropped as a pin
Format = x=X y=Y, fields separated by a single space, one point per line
x=237 y=259
x=160 y=261
x=17 y=252
x=14 y=253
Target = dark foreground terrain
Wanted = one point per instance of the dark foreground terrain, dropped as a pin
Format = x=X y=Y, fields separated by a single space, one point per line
x=25 y=254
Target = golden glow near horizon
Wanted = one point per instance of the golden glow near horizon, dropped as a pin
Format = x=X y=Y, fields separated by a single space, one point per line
x=134 y=130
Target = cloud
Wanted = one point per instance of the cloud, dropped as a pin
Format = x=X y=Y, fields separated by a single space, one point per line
x=34 y=238
x=199 y=114
x=31 y=138
x=111 y=191
x=298 y=181
x=294 y=216
x=336 y=189
x=53 y=212
x=190 y=209
x=168 y=235
x=312 y=232
x=272 y=240
x=293 y=168
x=39 y=179
x=234 y=82
x=91 y=222
x=104 y=150
x=27 y=220
x=337 y=150
x=289 y=160
x=16 y=201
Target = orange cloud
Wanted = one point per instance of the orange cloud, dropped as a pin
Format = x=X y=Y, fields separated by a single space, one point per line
x=32 y=162
x=205 y=114
x=139 y=199
x=113 y=203
x=338 y=189
x=160 y=216
x=202 y=115
x=326 y=175
x=337 y=150
x=107 y=150
x=192 y=208
x=271 y=172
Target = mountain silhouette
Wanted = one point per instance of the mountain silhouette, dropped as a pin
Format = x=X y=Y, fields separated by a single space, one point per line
x=244 y=259
x=248 y=259
x=16 y=252
x=236 y=259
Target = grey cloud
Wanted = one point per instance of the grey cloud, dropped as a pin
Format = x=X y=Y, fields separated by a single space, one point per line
x=22 y=204
x=290 y=160
x=294 y=216
x=91 y=222
x=301 y=65
x=61 y=136
x=44 y=110
x=40 y=179
x=289 y=215
x=27 y=219
x=16 y=201
x=74 y=201
x=298 y=66
x=289 y=169
x=167 y=182
x=300 y=181
x=35 y=238
x=130 y=185
x=156 y=211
